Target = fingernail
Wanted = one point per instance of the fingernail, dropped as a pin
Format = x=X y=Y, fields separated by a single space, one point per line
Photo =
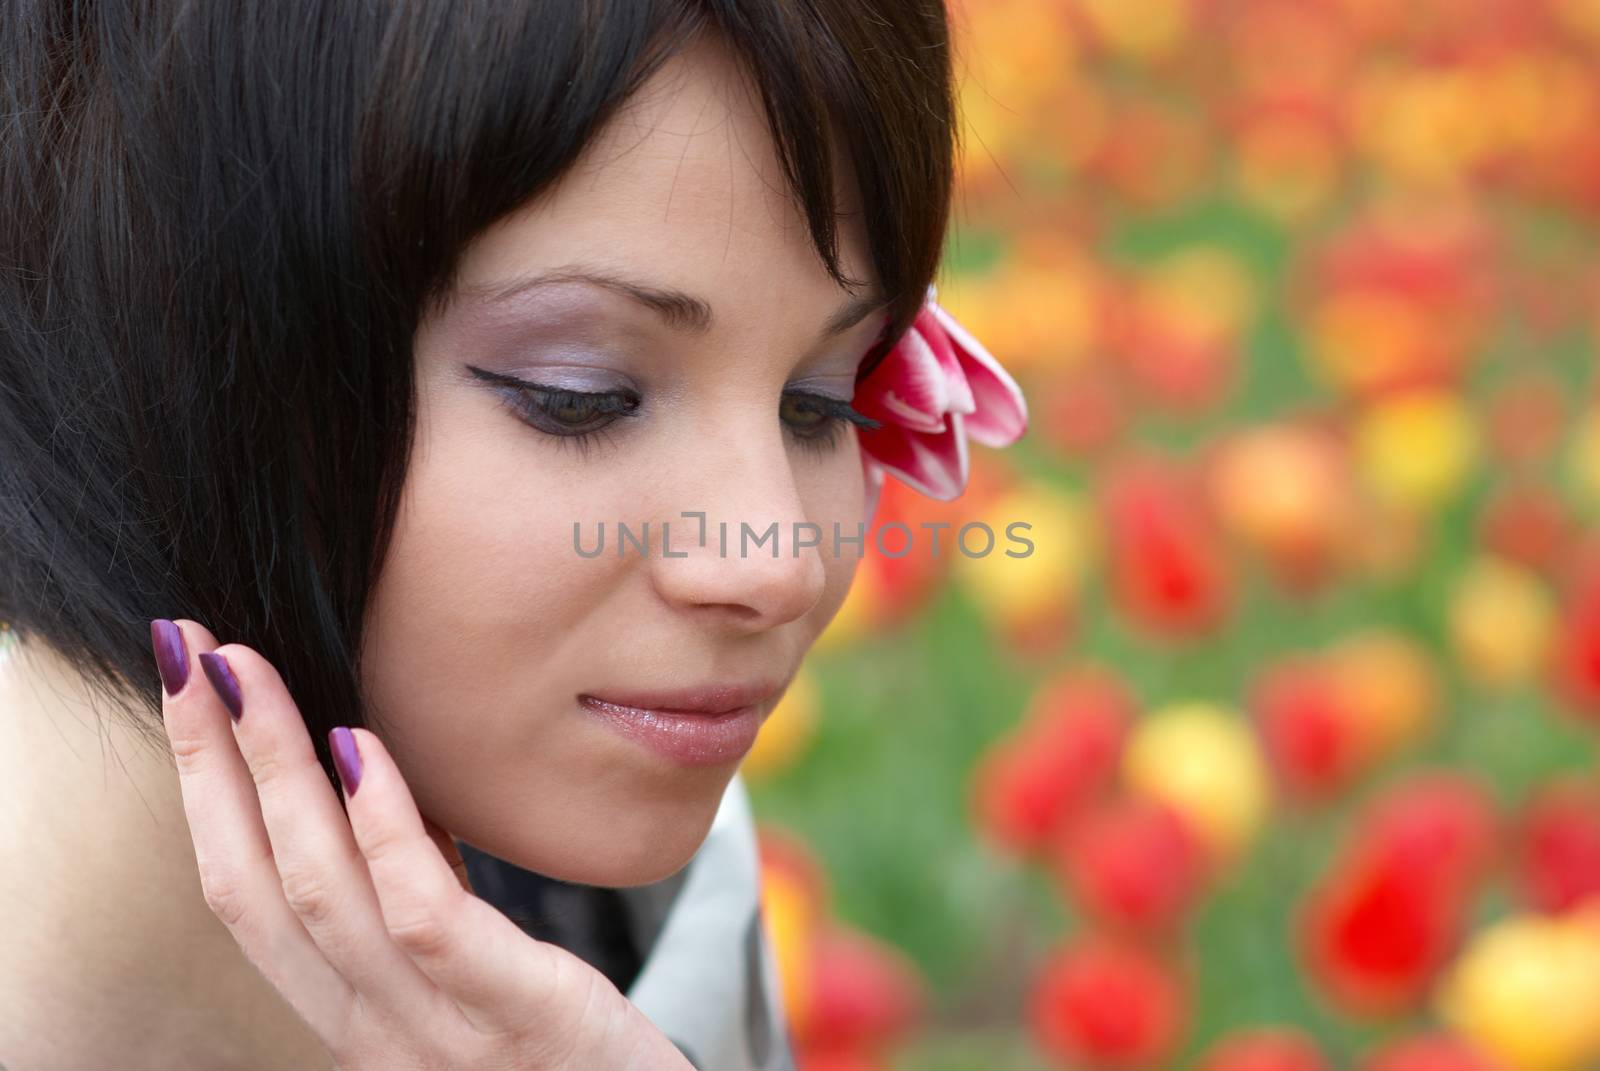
x=172 y=657
x=346 y=758
x=223 y=682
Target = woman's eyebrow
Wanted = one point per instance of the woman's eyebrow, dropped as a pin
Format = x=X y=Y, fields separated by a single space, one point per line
x=680 y=310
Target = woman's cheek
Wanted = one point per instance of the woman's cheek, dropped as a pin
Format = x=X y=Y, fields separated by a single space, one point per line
x=481 y=574
x=840 y=499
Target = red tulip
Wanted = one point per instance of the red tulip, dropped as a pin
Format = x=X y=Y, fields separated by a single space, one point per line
x=1308 y=728
x=782 y=850
x=1577 y=647
x=1152 y=153
x=1376 y=931
x=900 y=583
x=1428 y=1052
x=1439 y=825
x=1265 y=1049
x=1375 y=937
x=1282 y=48
x=1442 y=264
x=1168 y=567
x=1527 y=523
x=866 y=993
x=1108 y=1004
x=813 y=1058
x=1525 y=418
x=1400 y=301
x=1064 y=753
x=1179 y=364
x=1092 y=707
x=1558 y=845
x=1081 y=412
x=1132 y=862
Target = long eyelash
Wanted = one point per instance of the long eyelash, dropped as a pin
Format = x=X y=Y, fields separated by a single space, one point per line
x=583 y=440
x=527 y=399
x=528 y=402
x=838 y=413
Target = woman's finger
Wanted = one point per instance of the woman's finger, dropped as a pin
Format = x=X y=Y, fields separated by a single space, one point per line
x=323 y=877
x=494 y=971
x=238 y=875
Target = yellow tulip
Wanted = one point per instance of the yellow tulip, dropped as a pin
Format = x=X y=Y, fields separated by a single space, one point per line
x=1138 y=29
x=1416 y=449
x=1038 y=311
x=1205 y=761
x=1501 y=619
x=1584 y=458
x=854 y=616
x=1536 y=98
x=1425 y=126
x=1527 y=991
x=1205 y=289
x=1056 y=541
x=787 y=731
x=789 y=919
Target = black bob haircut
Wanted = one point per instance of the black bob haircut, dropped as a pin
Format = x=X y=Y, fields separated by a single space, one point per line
x=224 y=221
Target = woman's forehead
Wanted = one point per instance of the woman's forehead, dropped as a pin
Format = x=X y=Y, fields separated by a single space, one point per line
x=684 y=182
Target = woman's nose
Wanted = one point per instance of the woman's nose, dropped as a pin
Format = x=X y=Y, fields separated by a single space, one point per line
x=742 y=548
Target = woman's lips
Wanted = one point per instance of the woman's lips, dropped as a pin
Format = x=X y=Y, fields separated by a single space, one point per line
x=700 y=699
x=692 y=738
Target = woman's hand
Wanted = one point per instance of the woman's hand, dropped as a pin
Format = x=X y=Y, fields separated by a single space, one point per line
x=367 y=926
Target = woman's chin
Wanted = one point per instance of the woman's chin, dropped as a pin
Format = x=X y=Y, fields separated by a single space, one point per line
x=624 y=872
x=618 y=854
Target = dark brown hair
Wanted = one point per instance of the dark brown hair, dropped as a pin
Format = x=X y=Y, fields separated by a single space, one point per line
x=225 y=220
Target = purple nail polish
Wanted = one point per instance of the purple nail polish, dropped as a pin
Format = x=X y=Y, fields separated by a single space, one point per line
x=223 y=681
x=346 y=758
x=172 y=657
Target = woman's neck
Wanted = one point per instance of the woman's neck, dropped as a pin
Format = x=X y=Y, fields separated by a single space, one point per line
x=110 y=955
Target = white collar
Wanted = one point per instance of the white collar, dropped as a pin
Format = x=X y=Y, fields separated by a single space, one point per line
x=709 y=980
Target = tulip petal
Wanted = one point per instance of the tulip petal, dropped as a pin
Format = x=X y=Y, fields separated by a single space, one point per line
x=1001 y=414
x=872 y=475
x=959 y=394
x=932 y=464
x=909 y=388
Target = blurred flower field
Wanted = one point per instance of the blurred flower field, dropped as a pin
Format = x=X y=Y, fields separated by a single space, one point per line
x=1279 y=752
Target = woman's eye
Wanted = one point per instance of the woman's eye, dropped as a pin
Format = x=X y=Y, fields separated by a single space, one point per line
x=815 y=421
x=570 y=412
x=800 y=414
x=570 y=416
x=570 y=409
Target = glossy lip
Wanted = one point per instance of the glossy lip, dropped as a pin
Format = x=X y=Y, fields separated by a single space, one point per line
x=703 y=699
x=701 y=726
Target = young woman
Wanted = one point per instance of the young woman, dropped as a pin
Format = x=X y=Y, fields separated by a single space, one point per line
x=331 y=333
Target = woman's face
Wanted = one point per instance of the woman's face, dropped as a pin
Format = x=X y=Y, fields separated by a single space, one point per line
x=487 y=624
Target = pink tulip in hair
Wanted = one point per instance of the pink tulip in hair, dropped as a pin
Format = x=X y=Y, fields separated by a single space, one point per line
x=936 y=388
